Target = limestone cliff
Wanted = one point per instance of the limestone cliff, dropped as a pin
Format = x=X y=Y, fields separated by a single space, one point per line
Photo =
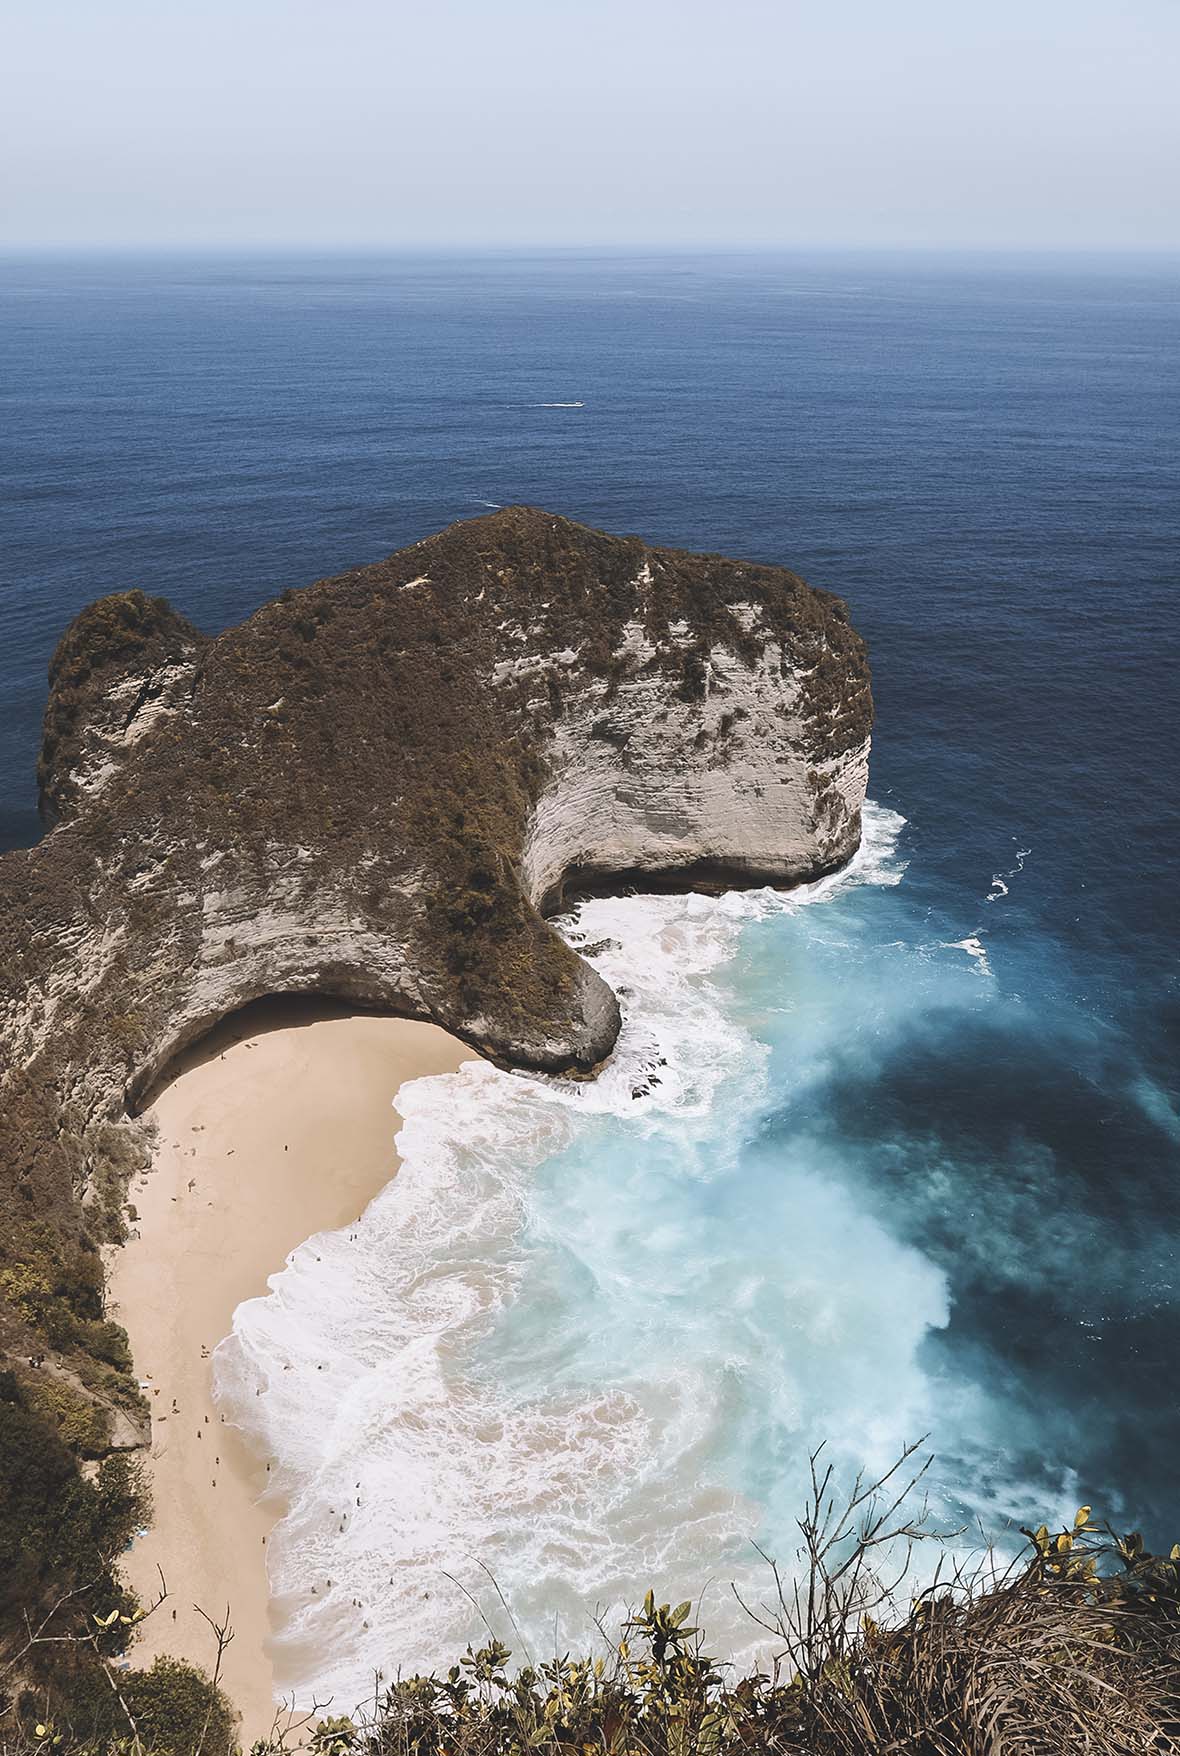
x=374 y=789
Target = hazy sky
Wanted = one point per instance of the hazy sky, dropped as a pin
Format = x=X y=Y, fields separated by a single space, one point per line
x=352 y=122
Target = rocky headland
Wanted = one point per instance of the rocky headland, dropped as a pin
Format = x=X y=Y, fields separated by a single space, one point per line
x=375 y=790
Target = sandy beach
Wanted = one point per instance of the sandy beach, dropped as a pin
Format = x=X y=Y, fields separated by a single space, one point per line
x=275 y=1127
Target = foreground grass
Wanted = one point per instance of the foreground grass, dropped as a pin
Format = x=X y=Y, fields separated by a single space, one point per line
x=1075 y=1647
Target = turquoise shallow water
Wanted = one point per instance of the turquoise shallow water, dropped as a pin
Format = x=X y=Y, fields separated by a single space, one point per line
x=912 y=1164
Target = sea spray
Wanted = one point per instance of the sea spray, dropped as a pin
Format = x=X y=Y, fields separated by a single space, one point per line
x=562 y=1356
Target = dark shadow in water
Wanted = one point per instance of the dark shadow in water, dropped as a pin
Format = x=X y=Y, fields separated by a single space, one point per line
x=1024 y=1162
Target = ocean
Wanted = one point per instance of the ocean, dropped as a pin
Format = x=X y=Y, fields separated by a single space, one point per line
x=912 y=1166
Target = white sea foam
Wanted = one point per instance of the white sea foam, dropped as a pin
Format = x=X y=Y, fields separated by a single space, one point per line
x=975 y=948
x=536 y=1351
x=1000 y=886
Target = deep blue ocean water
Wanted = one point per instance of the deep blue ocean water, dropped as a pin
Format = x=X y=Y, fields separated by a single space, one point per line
x=979 y=1062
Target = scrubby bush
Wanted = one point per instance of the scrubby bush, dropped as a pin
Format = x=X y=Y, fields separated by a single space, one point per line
x=58 y=1530
x=82 y=1425
x=177 y=1711
x=93 y=1708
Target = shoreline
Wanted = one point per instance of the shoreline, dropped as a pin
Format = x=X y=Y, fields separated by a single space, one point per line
x=277 y=1125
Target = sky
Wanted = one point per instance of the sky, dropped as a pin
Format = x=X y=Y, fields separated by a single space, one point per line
x=1037 y=124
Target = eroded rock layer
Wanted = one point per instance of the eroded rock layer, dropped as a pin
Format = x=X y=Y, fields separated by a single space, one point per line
x=373 y=789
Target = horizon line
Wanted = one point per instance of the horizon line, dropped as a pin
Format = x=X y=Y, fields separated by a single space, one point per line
x=306 y=247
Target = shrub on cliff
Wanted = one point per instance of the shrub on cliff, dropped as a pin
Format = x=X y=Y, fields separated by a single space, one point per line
x=178 y=1710
x=92 y=1709
x=59 y=1532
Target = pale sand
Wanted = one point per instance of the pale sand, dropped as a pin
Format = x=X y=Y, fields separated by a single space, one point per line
x=277 y=1126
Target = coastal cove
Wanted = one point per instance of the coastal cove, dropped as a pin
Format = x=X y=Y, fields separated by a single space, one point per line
x=890 y=1154
x=289 y=808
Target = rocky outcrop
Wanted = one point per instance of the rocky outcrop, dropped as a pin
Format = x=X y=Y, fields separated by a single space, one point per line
x=377 y=786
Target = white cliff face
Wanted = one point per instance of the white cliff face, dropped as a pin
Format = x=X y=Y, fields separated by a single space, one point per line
x=130 y=709
x=643 y=781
